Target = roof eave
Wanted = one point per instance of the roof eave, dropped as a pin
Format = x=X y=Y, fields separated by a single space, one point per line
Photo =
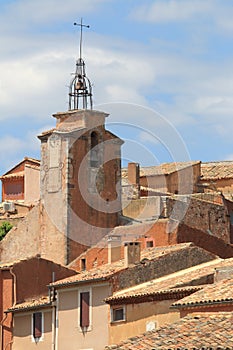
x=204 y=304
x=68 y=284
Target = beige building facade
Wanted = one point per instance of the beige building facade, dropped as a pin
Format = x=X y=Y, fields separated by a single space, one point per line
x=24 y=324
x=85 y=324
x=139 y=318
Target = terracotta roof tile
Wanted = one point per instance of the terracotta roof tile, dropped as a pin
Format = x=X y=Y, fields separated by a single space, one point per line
x=153 y=293
x=166 y=168
x=46 y=132
x=106 y=271
x=31 y=304
x=220 y=292
x=209 y=331
x=189 y=278
x=217 y=170
x=162 y=169
x=19 y=174
x=33 y=160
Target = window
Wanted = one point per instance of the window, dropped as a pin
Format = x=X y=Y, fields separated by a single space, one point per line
x=149 y=244
x=94 y=161
x=37 y=326
x=118 y=314
x=83 y=264
x=14 y=190
x=84 y=309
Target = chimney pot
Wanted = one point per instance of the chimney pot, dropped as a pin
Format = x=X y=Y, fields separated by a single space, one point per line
x=114 y=248
x=132 y=253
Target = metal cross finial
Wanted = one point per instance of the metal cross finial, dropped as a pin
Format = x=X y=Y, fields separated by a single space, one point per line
x=81 y=35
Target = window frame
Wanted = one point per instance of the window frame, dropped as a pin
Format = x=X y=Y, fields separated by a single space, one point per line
x=41 y=338
x=80 y=291
x=118 y=307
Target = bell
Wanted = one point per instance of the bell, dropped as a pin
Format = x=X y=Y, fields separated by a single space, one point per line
x=79 y=85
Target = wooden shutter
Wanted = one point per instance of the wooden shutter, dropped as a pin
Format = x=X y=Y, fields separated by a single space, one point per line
x=37 y=324
x=84 y=309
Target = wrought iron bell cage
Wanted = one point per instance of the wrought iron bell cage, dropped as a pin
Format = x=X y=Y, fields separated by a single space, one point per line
x=80 y=91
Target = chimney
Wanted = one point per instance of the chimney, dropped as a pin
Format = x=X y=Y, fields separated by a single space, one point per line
x=223 y=273
x=134 y=178
x=132 y=253
x=114 y=248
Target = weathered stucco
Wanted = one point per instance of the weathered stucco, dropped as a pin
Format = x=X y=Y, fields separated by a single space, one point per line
x=23 y=338
x=138 y=316
x=68 y=309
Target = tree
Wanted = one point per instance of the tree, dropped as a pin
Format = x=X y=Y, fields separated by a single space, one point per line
x=5 y=227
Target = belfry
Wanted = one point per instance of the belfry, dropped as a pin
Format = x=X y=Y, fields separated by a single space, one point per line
x=81 y=170
x=80 y=90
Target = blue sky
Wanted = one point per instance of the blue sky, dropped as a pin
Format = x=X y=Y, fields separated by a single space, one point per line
x=163 y=69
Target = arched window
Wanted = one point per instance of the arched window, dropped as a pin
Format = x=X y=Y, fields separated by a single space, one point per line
x=94 y=159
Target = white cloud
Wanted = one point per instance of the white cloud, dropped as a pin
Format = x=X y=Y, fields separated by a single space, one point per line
x=171 y=10
x=49 y=11
x=181 y=82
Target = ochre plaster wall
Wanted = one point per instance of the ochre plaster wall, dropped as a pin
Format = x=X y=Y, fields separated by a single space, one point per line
x=22 y=337
x=147 y=207
x=31 y=184
x=68 y=320
x=138 y=316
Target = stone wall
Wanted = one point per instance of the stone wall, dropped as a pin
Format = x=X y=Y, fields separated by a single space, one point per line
x=164 y=265
x=204 y=240
x=203 y=215
x=35 y=234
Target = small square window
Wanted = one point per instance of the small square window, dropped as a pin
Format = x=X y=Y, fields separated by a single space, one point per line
x=118 y=314
x=149 y=244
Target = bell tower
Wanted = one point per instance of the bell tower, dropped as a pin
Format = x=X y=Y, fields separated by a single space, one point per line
x=81 y=170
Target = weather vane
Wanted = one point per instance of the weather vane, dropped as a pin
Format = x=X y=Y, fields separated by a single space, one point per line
x=80 y=91
x=81 y=25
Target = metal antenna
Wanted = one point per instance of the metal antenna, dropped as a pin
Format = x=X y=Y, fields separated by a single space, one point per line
x=81 y=35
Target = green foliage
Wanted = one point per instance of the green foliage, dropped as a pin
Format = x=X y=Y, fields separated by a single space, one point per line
x=4 y=228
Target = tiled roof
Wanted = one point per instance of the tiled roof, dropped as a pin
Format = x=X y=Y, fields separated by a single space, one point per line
x=35 y=162
x=46 y=132
x=166 y=168
x=152 y=293
x=208 y=331
x=217 y=293
x=130 y=233
x=31 y=304
x=33 y=166
x=104 y=272
x=162 y=169
x=19 y=174
x=96 y=274
x=193 y=276
x=7 y=265
x=217 y=170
